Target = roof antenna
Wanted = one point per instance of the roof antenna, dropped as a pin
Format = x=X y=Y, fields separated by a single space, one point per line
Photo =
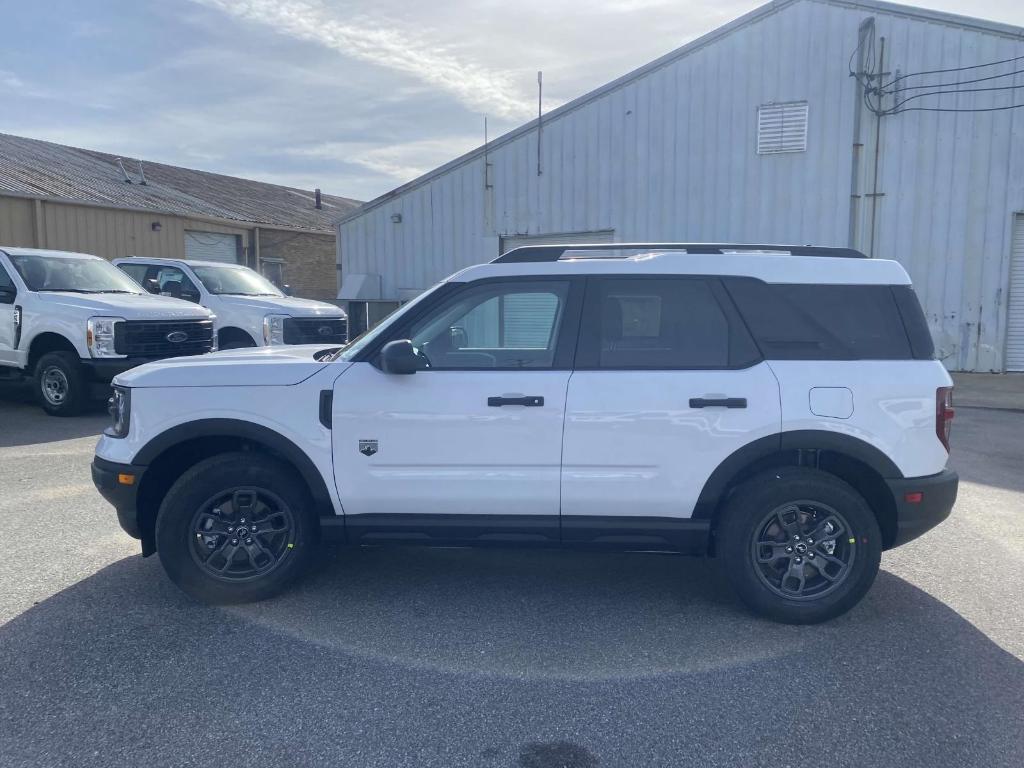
x=127 y=178
x=142 y=173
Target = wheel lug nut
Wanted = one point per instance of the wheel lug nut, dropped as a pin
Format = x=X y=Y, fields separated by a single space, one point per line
x=810 y=555
x=234 y=541
x=242 y=520
x=789 y=549
x=799 y=559
x=248 y=541
x=231 y=529
x=795 y=538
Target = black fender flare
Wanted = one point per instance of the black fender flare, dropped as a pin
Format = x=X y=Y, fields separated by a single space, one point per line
x=806 y=439
x=246 y=430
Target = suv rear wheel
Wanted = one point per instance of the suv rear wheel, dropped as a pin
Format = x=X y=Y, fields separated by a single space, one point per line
x=236 y=528
x=799 y=545
x=60 y=383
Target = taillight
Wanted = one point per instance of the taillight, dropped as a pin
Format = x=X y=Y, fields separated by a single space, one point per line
x=943 y=414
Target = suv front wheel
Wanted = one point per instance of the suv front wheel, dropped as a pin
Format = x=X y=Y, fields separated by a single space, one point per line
x=799 y=545
x=236 y=528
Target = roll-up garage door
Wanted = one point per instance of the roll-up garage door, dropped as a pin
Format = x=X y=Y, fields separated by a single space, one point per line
x=509 y=242
x=211 y=246
x=1015 y=313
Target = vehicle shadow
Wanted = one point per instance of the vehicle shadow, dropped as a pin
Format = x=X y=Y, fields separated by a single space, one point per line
x=23 y=422
x=383 y=649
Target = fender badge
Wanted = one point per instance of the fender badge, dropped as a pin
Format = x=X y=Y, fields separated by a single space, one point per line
x=367 y=447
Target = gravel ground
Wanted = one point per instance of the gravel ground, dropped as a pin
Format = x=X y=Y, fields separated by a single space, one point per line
x=537 y=659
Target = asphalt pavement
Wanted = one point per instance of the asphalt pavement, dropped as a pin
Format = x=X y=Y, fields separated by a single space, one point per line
x=529 y=659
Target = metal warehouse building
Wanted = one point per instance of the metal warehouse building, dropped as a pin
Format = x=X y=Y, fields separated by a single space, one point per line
x=758 y=132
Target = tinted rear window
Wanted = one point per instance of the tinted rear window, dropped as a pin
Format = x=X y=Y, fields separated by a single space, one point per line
x=661 y=323
x=824 y=322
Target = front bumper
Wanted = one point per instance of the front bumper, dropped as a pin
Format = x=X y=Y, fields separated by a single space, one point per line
x=917 y=514
x=110 y=480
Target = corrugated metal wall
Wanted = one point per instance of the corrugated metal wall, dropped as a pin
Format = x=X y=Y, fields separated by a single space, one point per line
x=671 y=155
x=102 y=231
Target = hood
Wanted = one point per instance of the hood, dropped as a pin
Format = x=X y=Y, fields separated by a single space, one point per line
x=284 y=305
x=143 y=306
x=256 y=367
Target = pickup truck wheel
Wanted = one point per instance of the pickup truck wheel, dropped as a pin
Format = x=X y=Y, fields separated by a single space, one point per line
x=799 y=545
x=60 y=384
x=236 y=528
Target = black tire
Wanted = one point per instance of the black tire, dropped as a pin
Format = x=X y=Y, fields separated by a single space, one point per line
x=221 y=485
x=234 y=339
x=790 y=577
x=60 y=384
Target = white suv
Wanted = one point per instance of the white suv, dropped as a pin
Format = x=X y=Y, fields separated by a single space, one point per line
x=251 y=311
x=779 y=409
x=71 y=321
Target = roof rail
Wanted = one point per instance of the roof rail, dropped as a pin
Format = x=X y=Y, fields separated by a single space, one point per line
x=537 y=253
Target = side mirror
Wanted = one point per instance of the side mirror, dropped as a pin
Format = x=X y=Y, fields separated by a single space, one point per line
x=400 y=357
x=286 y=290
x=7 y=295
x=151 y=285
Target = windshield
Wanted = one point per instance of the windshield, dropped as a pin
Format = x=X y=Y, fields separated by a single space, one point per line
x=366 y=338
x=235 y=281
x=76 y=274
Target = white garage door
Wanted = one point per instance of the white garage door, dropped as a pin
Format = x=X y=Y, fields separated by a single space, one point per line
x=509 y=242
x=211 y=246
x=1015 y=315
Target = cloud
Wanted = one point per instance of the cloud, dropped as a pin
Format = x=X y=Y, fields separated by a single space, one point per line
x=388 y=45
x=401 y=162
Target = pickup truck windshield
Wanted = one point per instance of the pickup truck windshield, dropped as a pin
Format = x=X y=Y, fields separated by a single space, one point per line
x=73 y=274
x=235 y=281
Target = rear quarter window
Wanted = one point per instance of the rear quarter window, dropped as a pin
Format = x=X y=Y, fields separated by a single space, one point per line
x=824 y=322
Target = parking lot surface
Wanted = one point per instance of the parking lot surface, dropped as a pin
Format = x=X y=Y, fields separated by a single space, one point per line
x=406 y=657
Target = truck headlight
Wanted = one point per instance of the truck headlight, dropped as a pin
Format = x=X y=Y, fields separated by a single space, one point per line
x=99 y=336
x=273 y=329
x=120 y=408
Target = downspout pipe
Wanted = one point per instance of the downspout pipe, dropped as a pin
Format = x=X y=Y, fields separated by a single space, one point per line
x=865 y=32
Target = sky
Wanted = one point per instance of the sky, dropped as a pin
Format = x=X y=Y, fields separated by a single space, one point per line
x=354 y=97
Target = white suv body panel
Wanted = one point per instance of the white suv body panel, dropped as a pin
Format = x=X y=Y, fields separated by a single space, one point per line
x=245 y=313
x=634 y=446
x=66 y=313
x=893 y=405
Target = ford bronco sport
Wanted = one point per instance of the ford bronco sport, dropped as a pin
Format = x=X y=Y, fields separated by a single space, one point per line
x=775 y=407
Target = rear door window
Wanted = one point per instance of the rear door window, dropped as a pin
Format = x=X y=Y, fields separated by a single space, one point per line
x=661 y=323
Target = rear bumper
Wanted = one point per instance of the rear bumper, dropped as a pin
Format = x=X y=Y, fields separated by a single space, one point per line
x=937 y=496
x=107 y=476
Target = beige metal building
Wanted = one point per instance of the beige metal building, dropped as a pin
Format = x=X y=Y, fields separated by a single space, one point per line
x=54 y=196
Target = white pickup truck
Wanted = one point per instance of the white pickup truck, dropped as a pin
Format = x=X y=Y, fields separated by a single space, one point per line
x=71 y=322
x=250 y=310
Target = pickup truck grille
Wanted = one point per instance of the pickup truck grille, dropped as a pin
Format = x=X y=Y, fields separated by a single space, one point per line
x=315 y=330
x=170 y=338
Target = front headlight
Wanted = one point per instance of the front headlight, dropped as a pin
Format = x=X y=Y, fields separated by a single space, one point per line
x=273 y=329
x=120 y=408
x=99 y=336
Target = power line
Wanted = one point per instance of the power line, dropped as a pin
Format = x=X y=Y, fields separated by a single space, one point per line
x=961 y=82
x=899 y=104
x=951 y=69
x=951 y=109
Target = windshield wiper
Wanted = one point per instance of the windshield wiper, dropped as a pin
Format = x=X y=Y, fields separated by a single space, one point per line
x=133 y=293
x=65 y=290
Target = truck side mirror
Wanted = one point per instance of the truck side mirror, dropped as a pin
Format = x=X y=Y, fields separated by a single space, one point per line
x=286 y=289
x=7 y=294
x=400 y=357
